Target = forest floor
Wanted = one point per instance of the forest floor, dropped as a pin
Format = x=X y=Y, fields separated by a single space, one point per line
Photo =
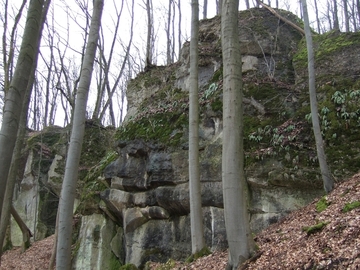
x=323 y=235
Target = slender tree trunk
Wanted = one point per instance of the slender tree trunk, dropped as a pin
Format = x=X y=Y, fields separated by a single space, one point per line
x=247 y=4
x=219 y=4
x=67 y=197
x=173 y=43
x=317 y=16
x=24 y=229
x=358 y=9
x=325 y=171
x=179 y=28
x=7 y=207
x=346 y=16
x=354 y=17
x=168 y=35
x=150 y=34
x=205 y=8
x=197 y=231
x=15 y=97
x=53 y=252
x=234 y=185
x=335 y=15
x=328 y=16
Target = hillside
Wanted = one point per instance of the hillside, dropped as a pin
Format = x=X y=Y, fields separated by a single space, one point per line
x=284 y=245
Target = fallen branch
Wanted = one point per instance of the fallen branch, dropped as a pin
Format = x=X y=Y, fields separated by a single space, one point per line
x=282 y=18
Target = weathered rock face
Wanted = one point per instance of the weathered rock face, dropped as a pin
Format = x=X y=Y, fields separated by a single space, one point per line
x=99 y=244
x=134 y=203
x=149 y=181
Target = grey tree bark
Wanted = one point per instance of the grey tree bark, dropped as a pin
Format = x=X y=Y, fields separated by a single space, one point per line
x=179 y=28
x=219 y=4
x=197 y=231
x=67 y=197
x=205 y=8
x=150 y=34
x=14 y=99
x=168 y=34
x=358 y=10
x=346 y=16
x=317 y=16
x=240 y=241
x=325 y=171
x=335 y=15
x=13 y=170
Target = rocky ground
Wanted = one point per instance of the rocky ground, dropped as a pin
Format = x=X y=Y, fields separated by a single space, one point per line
x=306 y=239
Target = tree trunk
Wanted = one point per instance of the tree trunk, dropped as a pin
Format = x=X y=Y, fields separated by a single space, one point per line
x=237 y=224
x=205 y=7
x=358 y=9
x=197 y=231
x=335 y=16
x=317 y=16
x=150 y=33
x=325 y=172
x=346 y=16
x=247 y=4
x=168 y=35
x=219 y=4
x=67 y=197
x=24 y=229
x=15 y=97
x=179 y=29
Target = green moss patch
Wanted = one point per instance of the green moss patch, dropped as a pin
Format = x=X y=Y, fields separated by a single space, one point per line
x=316 y=228
x=350 y=206
x=205 y=251
x=166 y=128
x=322 y=204
x=325 y=45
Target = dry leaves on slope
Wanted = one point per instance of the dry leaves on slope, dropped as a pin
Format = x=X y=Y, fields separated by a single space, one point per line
x=37 y=257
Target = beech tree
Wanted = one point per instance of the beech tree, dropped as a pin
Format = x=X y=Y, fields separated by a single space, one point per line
x=197 y=231
x=67 y=197
x=16 y=157
x=240 y=241
x=17 y=90
x=325 y=171
x=150 y=34
x=205 y=8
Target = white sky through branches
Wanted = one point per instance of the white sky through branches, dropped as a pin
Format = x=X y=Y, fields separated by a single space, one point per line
x=68 y=21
